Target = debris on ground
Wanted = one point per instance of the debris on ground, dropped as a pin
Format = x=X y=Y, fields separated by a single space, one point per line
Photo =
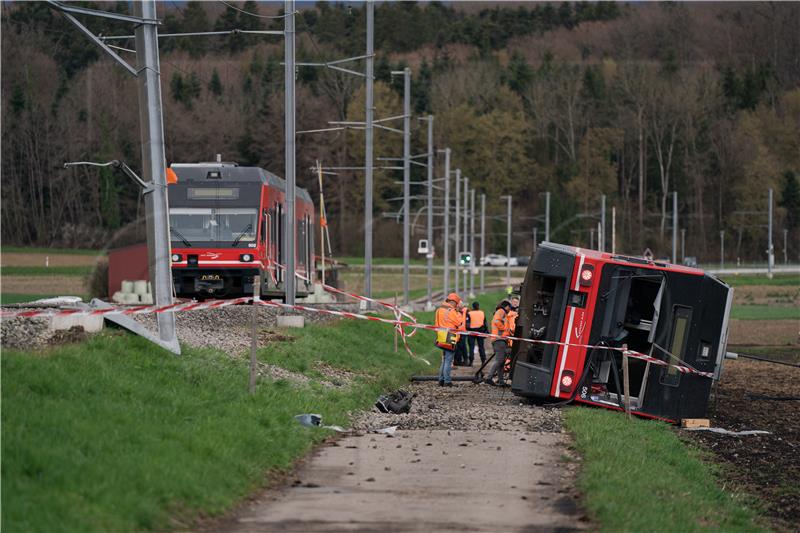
x=723 y=431
x=397 y=402
x=311 y=420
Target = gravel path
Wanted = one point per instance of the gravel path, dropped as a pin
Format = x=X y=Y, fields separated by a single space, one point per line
x=466 y=458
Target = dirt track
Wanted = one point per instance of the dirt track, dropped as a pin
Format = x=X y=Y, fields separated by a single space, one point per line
x=503 y=468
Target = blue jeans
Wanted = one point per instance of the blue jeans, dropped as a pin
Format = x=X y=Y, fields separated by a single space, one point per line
x=447 y=364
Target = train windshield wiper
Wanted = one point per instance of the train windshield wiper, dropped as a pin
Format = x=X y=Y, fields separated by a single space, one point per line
x=242 y=234
x=180 y=236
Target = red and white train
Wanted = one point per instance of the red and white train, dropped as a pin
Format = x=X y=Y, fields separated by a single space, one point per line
x=586 y=298
x=227 y=226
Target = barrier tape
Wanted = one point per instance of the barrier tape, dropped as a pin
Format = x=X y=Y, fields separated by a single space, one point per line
x=213 y=304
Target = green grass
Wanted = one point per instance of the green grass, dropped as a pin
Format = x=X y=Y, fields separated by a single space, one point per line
x=117 y=435
x=749 y=279
x=68 y=251
x=359 y=260
x=45 y=271
x=765 y=312
x=638 y=476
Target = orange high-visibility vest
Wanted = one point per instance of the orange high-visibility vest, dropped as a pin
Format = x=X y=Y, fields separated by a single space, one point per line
x=476 y=319
x=500 y=323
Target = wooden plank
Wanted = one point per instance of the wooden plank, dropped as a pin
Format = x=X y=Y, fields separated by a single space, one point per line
x=695 y=423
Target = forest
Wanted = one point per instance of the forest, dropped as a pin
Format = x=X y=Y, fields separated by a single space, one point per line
x=583 y=99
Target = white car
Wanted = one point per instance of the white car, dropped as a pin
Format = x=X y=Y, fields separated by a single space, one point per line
x=497 y=260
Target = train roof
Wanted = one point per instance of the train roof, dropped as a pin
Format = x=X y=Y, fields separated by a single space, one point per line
x=233 y=172
x=607 y=257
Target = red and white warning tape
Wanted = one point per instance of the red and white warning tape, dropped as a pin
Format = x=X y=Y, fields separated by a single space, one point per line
x=397 y=323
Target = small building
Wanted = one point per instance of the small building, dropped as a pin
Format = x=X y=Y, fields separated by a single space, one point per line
x=127 y=263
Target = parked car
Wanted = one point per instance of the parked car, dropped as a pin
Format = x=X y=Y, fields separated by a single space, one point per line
x=523 y=260
x=497 y=260
x=690 y=261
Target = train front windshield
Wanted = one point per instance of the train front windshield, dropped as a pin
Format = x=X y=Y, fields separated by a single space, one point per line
x=223 y=226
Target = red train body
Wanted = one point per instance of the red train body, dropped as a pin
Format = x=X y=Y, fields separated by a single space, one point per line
x=585 y=297
x=226 y=227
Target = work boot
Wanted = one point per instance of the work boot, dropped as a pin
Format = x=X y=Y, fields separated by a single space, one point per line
x=448 y=384
x=441 y=383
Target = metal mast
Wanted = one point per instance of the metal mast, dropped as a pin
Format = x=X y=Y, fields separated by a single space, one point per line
x=446 y=217
x=466 y=230
x=154 y=168
x=289 y=282
x=429 y=305
x=472 y=243
x=368 y=159
x=456 y=259
x=406 y=180
x=483 y=236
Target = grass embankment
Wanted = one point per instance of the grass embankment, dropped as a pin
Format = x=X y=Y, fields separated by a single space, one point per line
x=638 y=476
x=735 y=280
x=117 y=435
x=765 y=312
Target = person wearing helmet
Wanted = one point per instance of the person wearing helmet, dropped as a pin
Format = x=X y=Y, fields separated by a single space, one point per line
x=500 y=327
x=449 y=316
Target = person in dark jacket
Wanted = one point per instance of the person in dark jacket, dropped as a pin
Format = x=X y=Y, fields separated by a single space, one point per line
x=461 y=357
x=477 y=323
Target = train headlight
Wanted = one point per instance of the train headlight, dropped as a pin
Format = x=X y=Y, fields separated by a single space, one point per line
x=246 y=258
x=587 y=275
x=176 y=258
x=567 y=380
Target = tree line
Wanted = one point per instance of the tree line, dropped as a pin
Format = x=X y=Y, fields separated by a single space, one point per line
x=579 y=99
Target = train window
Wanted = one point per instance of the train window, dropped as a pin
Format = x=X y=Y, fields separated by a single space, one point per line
x=212 y=193
x=203 y=224
x=681 y=318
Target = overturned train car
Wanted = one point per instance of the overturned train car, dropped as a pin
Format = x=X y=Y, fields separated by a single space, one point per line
x=584 y=298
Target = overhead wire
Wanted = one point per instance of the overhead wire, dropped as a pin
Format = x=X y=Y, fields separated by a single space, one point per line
x=273 y=17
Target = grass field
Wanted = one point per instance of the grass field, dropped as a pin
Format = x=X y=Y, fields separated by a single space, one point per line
x=765 y=312
x=638 y=476
x=118 y=435
x=749 y=279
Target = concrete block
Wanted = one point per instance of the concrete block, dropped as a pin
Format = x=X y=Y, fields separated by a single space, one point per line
x=146 y=299
x=90 y=324
x=126 y=287
x=119 y=297
x=291 y=321
x=140 y=286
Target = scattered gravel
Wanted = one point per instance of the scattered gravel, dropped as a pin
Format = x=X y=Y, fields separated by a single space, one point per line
x=24 y=333
x=465 y=406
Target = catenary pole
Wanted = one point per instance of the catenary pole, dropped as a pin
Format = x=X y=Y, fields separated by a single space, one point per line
x=429 y=305
x=508 y=240
x=785 y=249
x=457 y=255
x=535 y=237
x=406 y=180
x=547 y=216
x=613 y=229
x=151 y=125
x=722 y=249
x=601 y=236
x=368 y=162
x=770 y=248
x=289 y=110
x=472 y=243
x=446 y=217
x=483 y=237
x=683 y=244
x=674 y=227
x=465 y=244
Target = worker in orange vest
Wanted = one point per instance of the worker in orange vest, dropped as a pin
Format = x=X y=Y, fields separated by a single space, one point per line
x=513 y=314
x=500 y=328
x=461 y=358
x=477 y=323
x=449 y=315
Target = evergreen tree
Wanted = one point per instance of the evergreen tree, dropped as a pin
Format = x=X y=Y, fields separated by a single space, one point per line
x=215 y=84
x=790 y=199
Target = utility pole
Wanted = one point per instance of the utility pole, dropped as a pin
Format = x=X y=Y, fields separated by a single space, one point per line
x=683 y=244
x=483 y=236
x=508 y=239
x=722 y=249
x=547 y=216
x=591 y=238
x=368 y=158
x=446 y=217
x=429 y=305
x=674 y=227
x=785 y=249
x=472 y=243
x=151 y=126
x=406 y=178
x=289 y=110
x=601 y=236
x=770 y=249
x=613 y=229
x=456 y=287
x=466 y=229
x=535 y=237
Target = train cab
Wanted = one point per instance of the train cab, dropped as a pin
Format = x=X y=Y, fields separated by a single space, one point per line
x=578 y=299
x=227 y=227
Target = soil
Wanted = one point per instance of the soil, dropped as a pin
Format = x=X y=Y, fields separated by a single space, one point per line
x=63 y=285
x=68 y=336
x=55 y=260
x=765 y=466
x=765 y=333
